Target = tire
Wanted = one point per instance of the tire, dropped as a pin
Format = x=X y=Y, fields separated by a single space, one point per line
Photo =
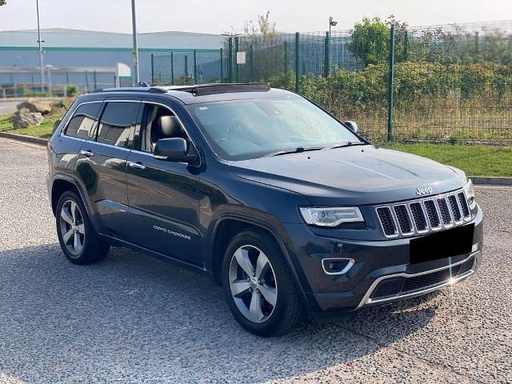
x=77 y=237
x=258 y=287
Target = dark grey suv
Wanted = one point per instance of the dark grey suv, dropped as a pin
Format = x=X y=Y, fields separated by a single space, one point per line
x=289 y=209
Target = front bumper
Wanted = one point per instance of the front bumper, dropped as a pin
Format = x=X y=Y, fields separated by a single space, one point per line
x=380 y=271
x=406 y=285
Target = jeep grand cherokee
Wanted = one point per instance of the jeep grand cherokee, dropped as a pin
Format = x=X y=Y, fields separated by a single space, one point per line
x=289 y=209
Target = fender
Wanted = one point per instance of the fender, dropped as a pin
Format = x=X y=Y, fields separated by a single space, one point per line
x=264 y=225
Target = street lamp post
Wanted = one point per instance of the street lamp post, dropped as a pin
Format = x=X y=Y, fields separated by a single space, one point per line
x=135 y=45
x=40 y=43
x=327 y=66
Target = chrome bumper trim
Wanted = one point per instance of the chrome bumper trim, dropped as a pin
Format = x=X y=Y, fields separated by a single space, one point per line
x=367 y=300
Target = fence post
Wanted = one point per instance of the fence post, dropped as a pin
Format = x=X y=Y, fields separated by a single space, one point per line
x=221 y=66
x=251 y=63
x=327 y=54
x=33 y=86
x=230 y=59
x=152 y=70
x=297 y=63
x=195 y=66
x=285 y=57
x=391 y=81
x=406 y=46
x=186 y=68
x=237 y=67
x=172 y=68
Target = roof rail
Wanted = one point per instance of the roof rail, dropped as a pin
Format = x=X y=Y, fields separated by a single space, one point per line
x=133 y=89
x=214 y=88
x=195 y=90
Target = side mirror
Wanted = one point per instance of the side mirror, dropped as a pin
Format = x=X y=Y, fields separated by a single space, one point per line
x=352 y=125
x=176 y=149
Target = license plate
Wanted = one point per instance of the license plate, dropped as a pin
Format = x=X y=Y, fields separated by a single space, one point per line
x=449 y=243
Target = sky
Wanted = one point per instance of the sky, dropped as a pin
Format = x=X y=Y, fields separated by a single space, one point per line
x=220 y=16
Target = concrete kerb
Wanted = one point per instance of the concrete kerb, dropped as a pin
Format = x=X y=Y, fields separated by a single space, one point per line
x=26 y=139
x=498 y=181
x=477 y=180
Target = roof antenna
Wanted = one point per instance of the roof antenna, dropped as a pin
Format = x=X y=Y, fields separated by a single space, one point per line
x=143 y=84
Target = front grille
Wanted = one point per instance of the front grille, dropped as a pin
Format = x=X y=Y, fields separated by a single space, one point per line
x=424 y=215
x=396 y=287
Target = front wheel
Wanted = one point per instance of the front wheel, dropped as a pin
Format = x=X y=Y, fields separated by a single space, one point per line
x=258 y=287
x=77 y=237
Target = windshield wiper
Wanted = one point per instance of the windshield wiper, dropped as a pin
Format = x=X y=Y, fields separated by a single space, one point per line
x=296 y=150
x=345 y=144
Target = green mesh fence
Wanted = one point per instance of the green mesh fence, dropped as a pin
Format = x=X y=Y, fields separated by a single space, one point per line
x=455 y=84
x=449 y=83
x=187 y=67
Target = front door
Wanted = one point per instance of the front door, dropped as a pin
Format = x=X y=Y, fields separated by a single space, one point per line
x=163 y=196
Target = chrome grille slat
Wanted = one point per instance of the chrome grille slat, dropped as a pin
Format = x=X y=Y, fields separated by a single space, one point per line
x=424 y=215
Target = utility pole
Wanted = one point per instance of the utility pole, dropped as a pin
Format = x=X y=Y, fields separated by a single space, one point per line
x=135 y=46
x=40 y=42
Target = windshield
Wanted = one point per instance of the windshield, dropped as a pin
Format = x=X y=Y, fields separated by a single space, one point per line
x=246 y=129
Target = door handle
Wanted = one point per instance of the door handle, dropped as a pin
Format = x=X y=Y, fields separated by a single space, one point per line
x=136 y=165
x=86 y=153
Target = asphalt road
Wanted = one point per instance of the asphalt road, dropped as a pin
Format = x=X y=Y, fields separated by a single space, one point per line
x=132 y=319
x=8 y=106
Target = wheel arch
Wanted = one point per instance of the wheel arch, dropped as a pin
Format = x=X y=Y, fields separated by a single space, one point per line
x=63 y=184
x=228 y=227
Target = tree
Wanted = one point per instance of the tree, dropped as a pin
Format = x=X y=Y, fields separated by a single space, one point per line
x=2 y=2
x=370 y=40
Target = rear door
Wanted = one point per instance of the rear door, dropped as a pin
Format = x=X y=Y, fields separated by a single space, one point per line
x=102 y=164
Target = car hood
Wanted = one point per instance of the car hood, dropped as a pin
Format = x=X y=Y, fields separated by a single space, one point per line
x=352 y=175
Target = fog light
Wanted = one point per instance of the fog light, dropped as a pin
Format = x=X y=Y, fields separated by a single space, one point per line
x=337 y=266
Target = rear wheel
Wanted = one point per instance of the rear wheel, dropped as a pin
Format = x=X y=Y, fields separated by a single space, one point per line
x=258 y=286
x=77 y=237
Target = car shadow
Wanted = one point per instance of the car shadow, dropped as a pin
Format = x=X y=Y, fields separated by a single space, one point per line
x=131 y=318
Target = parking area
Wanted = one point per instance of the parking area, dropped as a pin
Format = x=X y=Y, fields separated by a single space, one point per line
x=133 y=319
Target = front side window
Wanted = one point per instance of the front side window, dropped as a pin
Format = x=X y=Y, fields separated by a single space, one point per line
x=158 y=122
x=84 y=121
x=245 y=129
x=116 y=123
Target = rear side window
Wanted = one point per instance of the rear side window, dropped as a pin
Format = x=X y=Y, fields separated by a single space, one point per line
x=84 y=120
x=116 y=123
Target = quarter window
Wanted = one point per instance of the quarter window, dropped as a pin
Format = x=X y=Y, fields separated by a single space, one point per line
x=84 y=120
x=116 y=123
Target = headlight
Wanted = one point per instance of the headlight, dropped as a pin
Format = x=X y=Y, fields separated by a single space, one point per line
x=470 y=194
x=331 y=217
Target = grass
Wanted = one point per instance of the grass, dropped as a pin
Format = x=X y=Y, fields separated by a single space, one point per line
x=475 y=160
x=43 y=131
